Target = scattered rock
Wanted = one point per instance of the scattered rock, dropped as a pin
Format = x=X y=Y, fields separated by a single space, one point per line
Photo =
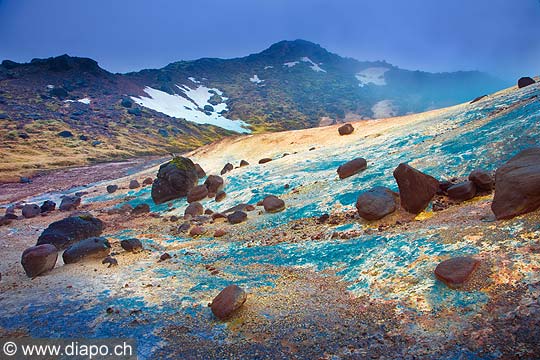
x=237 y=217
x=462 y=191
x=10 y=213
x=200 y=171
x=199 y=192
x=197 y=231
x=91 y=248
x=165 y=256
x=525 y=81
x=131 y=245
x=323 y=218
x=65 y=232
x=443 y=187
x=376 y=203
x=110 y=260
x=148 y=181
x=39 y=259
x=352 y=167
x=416 y=189
x=264 y=160
x=456 y=271
x=482 y=179
x=5 y=221
x=220 y=232
x=345 y=129
x=517 y=185
x=273 y=204
x=220 y=196
x=184 y=227
x=31 y=210
x=243 y=163
x=134 y=184
x=228 y=301
x=214 y=183
x=141 y=209
x=112 y=188
x=194 y=209
x=69 y=203
x=65 y=134
x=25 y=180
x=218 y=215
x=47 y=206
x=127 y=103
x=228 y=167
x=174 y=180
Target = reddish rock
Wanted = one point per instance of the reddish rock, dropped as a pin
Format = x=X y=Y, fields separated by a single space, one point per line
x=214 y=183
x=462 y=191
x=220 y=233
x=39 y=259
x=91 y=248
x=243 y=163
x=197 y=231
x=228 y=167
x=134 y=184
x=208 y=212
x=199 y=192
x=194 y=209
x=482 y=179
x=416 y=189
x=237 y=217
x=140 y=209
x=165 y=256
x=131 y=245
x=218 y=215
x=345 y=129
x=220 y=196
x=264 y=160
x=456 y=271
x=273 y=204
x=352 y=167
x=517 y=185
x=228 y=301
x=376 y=203
x=148 y=181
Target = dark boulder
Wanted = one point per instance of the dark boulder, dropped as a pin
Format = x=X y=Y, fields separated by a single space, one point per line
x=243 y=163
x=237 y=217
x=228 y=301
x=64 y=232
x=127 y=103
x=31 y=210
x=131 y=245
x=264 y=160
x=517 y=185
x=482 y=179
x=416 y=189
x=200 y=171
x=476 y=99
x=83 y=138
x=47 y=206
x=91 y=248
x=193 y=209
x=345 y=129
x=273 y=204
x=352 y=167
x=376 y=203
x=69 y=203
x=228 y=167
x=112 y=188
x=214 y=184
x=456 y=271
x=199 y=192
x=147 y=181
x=65 y=134
x=134 y=184
x=220 y=196
x=174 y=180
x=462 y=191
x=39 y=259
x=525 y=81
x=135 y=111
x=141 y=209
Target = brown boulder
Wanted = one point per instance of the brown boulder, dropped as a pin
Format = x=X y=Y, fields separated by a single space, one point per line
x=273 y=204
x=228 y=167
x=462 y=191
x=148 y=181
x=39 y=259
x=214 y=183
x=416 y=189
x=525 y=81
x=194 y=209
x=96 y=247
x=376 y=203
x=352 y=167
x=31 y=210
x=228 y=301
x=517 y=185
x=200 y=171
x=134 y=184
x=482 y=179
x=237 y=217
x=199 y=192
x=456 y=271
x=345 y=129
x=264 y=160
x=220 y=196
x=243 y=163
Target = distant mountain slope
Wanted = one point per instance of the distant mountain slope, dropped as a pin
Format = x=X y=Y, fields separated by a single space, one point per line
x=290 y=85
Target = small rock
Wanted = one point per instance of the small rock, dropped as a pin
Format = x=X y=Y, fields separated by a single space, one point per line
x=264 y=160
x=228 y=301
x=148 y=181
x=462 y=191
x=25 y=180
x=47 y=206
x=91 y=248
x=134 y=184
x=140 y=209
x=165 y=256
x=323 y=218
x=273 y=204
x=31 y=210
x=208 y=212
x=482 y=179
x=237 y=217
x=218 y=215
x=199 y=192
x=352 y=167
x=214 y=183
x=220 y=232
x=197 y=231
x=112 y=188
x=220 y=196
x=228 y=167
x=243 y=163
x=39 y=259
x=456 y=271
x=194 y=209
x=131 y=245
x=69 y=203
x=184 y=227
x=5 y=221
x=376 y=203
x=345 y=129
x=110 y=260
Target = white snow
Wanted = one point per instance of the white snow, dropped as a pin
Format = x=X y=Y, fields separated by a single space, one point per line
x=84 y=101
x=374 y=75
x=190 y=107
x=384 y=109
x=314 y=67
x=255 y=79
x=291 y=64
x=50 y=87
x=268 y=67
x=193 y=80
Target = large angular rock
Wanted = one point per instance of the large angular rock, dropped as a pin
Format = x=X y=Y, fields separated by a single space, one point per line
x=39 y=259
x=65 y=232
x=273 y=204
x=376 y=203
x=456 y=271
x=174 y=180
x=91 y=248
x=416 y=189
x=228 y=301
x=462 y=191
x=482 y=179
x=517 y=185
x=352 y=167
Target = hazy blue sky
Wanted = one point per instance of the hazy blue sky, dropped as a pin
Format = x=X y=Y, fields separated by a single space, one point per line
x=498 y=36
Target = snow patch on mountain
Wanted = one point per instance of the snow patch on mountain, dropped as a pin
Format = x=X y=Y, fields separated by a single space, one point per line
x=315 y=67
x=255 y=79
x=290 y=64
x=83 y=101
x=374 y=75
x=192 y=79
x=268 y=67
x=191 y=106
x=384 y=109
